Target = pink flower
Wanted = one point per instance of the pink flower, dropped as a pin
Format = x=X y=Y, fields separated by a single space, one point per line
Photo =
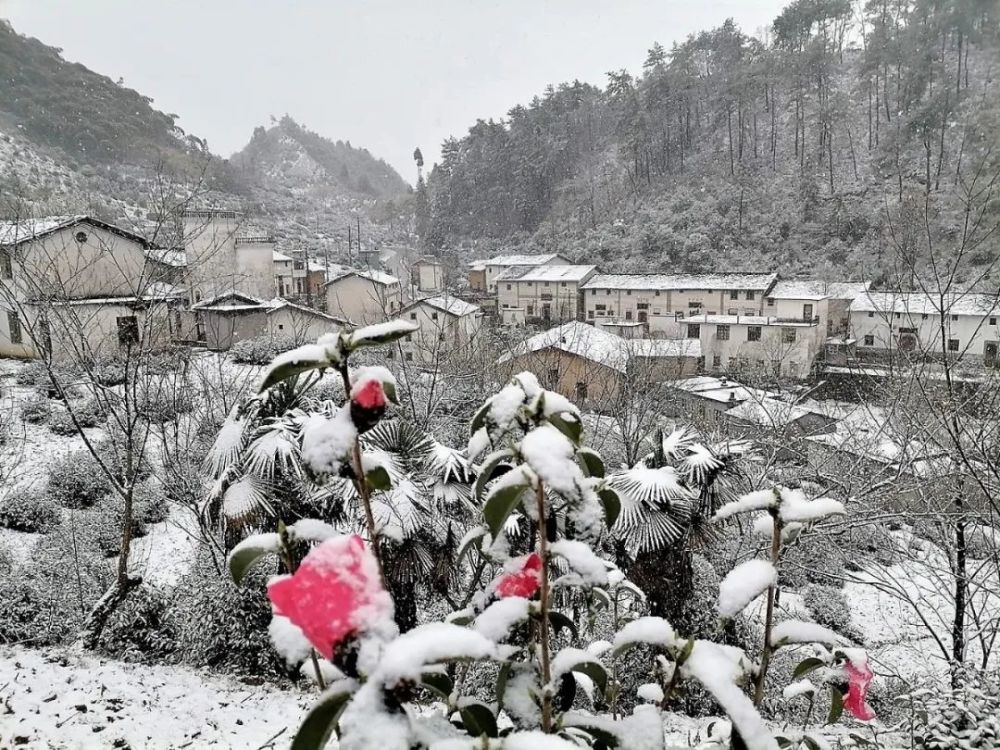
x=523 y=582
x=336 y=592
x=368 y=404
x=859 y=676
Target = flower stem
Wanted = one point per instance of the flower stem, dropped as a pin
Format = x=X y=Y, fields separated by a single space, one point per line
x=765 y=659
x=543 y=594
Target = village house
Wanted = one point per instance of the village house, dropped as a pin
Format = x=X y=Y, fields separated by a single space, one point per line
x=284 y=279
x=804 y=299
x=363 y=296
x=657 y=300
x=590 y=365
x=491 y=269
x=229 y=318
x=541 y=294
x=448 y=327
x=224 y=255
x=706 y=398
x=77 y=286
x=430 y=275
x=891 y=324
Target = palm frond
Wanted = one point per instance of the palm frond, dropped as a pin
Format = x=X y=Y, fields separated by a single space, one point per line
x=399 y=513
x=677 y=442
x=700 y=464
x=244 y=501
x=653 y=488
x=229 y=442
x=274 y=447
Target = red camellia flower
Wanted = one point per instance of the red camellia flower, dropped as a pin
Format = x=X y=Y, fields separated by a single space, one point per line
x=524 y=581
x=858 y=676
x=368 y=404
x=336 y=592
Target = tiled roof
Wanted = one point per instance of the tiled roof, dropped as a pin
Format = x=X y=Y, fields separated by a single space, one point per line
x=682 y=281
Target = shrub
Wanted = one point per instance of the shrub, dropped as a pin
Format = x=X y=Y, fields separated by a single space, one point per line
x=260 y=350
x=36 y=410
x=88 y=414
x=159 y=407
x=28 y=510
x=109 y=371
x=32 y=373
x=223 y=626
x=150 y=503
x=966 y=717
x=106 y=519
x=140 y=629
x=75 y=480
x=828 y=606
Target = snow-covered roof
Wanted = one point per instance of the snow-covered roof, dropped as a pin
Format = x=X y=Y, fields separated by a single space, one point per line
x=575 y=273
x=521 y=260
x=376 y=277
x=814 y=289
x=919 y=303
x=768 y=412
x=451 y=305
x=280 y=257
x=15 y=232
x=156 y=291
x=682 y=281
x=746 y=320
x=169 y=256
x=280 y=303
x=230 y=301
x=602 y=347
x=721 y=390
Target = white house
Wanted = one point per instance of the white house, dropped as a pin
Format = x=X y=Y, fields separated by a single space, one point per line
x=363 y=296
x=963 y=325
x=805 y=299
x=547 y=294
x=77 y=286
x=659 y=299
x=284 y=274
x=224 y=255
x=448 y=327
x=430 y=275
x=224 y=320
x=494 y=267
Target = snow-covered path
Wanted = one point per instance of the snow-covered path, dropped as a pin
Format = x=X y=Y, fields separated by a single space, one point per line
x=49 y=699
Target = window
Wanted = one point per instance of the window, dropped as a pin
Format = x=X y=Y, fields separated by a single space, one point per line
x=128 y=330
x=508 y=287
x=924 y=316
x=593 y=292
x=390 y=354
x=409 y=356
x=546 y=285
x=628 y=315
x=693 y=305
x=281 y=326
x=434 y=316
x=694 y=331
x=770 y=301
x=753 y=333
x=734 y=294
x=732 y=311
x=628 y=293
x=869 y=339
x=413 y=316
x=562 y=283
x=716 y=361
x=530 y=310
x=993 y=321
x=897 y=315
x=6 y=270
x=601 y=308
x=871 y=314
x=952 y=345
x=581 y=390
x=80 y=237
x=751 y=295
x=954 y=317
x=590 y=313
x=642 y=305
x=657 y=292
x=531 y=283
x=722 y=333
x=787 y=335
x=553 y=377
x=14 y=326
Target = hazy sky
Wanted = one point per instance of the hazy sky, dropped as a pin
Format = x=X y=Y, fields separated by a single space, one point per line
x=388 y=75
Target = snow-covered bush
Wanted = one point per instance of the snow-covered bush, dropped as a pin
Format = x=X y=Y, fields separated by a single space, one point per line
x=260 y=350
x=36 y=409
x=88 y=413
x=107 y=519
x=27 y=509
x=966 y=717
x=141 y=629
x=75 y=480
x=828 y=606
x=162 y=405
x=150 y=502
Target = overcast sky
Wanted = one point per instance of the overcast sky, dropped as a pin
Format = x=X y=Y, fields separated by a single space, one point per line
x=388 y=75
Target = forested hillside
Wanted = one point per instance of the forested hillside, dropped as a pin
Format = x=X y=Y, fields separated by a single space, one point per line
x=788 y=152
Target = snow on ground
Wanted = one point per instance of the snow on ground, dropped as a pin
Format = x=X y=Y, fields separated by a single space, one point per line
x=165 y=554
x=49 y=699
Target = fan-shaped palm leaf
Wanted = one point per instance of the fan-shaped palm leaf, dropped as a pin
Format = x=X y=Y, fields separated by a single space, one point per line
x=273 y=448
x=230 y=441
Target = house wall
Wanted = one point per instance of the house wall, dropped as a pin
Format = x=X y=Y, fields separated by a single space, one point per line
x=430 y=277
x=299 y=325
x=361 y=300
x=561 y=297
x=255 y=269
x=284 y=279
x=210 y=245
x=477 y=280
x=440 y=334
x=492 y=270
x=562 y=372
x=795 y=309
x=973 y=332
x=660 y=305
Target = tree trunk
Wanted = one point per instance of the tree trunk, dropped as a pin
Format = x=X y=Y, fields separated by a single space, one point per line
x=667 y=578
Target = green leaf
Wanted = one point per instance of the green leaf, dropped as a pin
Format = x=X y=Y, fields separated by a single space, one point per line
x=380 y=333
x=390 y=391
x=378 y=478
x=811 y=743
x=603 y=596
x=595 y=730
x=560 y=621
x=836 y=706
x=316 y=728
x=736 y=741
x=612 y=505
x=295 y=362
x=595 y=671
x=479 y=419
x=488 y=470
x=806 y=666
x=783 y=742
x=502 y=677
x=571 y=428
x=437 y=682
x=479 y=720
x=500 y=503
x=471 y=537
x=247 y=553
x=591 y=462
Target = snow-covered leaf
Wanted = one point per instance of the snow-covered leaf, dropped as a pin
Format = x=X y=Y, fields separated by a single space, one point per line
x=611 y=504
x=246 y=554
x=318 y=726
x=297 y=361
x=743 y=584
x=591 y=462
x=380 y=333
x=792 y=632
x=504 y=496
x=653 y=631
x=478 y=719
x=488 y=469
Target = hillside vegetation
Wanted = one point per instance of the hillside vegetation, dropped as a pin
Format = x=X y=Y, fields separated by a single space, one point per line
x=734 y=152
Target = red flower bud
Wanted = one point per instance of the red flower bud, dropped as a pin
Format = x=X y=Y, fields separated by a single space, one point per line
x=524 y=582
